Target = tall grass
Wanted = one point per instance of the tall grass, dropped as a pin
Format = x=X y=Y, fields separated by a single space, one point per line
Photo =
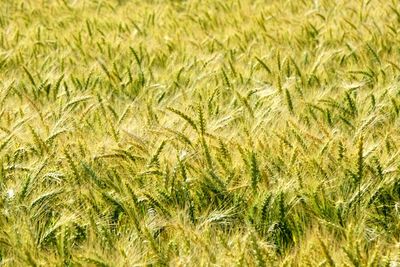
x=197 y=133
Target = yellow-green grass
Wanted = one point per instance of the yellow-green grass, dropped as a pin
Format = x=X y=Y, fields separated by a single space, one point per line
x=199 y=133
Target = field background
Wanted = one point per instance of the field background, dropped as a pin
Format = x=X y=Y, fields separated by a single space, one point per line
x=199 y=133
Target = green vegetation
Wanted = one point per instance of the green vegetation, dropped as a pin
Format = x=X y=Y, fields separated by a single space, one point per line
x=199 y=133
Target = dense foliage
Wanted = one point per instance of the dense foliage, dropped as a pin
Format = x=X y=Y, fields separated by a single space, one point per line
x=199 y=133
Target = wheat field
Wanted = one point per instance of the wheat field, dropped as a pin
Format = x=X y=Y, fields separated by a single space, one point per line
x=199 y=133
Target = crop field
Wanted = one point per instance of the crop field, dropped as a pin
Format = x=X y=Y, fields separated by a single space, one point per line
x=200 y=133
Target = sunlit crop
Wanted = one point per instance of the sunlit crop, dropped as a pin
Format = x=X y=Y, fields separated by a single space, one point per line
x=199 y=133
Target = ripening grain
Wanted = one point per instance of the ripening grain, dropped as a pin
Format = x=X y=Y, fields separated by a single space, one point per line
x=199 y=133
